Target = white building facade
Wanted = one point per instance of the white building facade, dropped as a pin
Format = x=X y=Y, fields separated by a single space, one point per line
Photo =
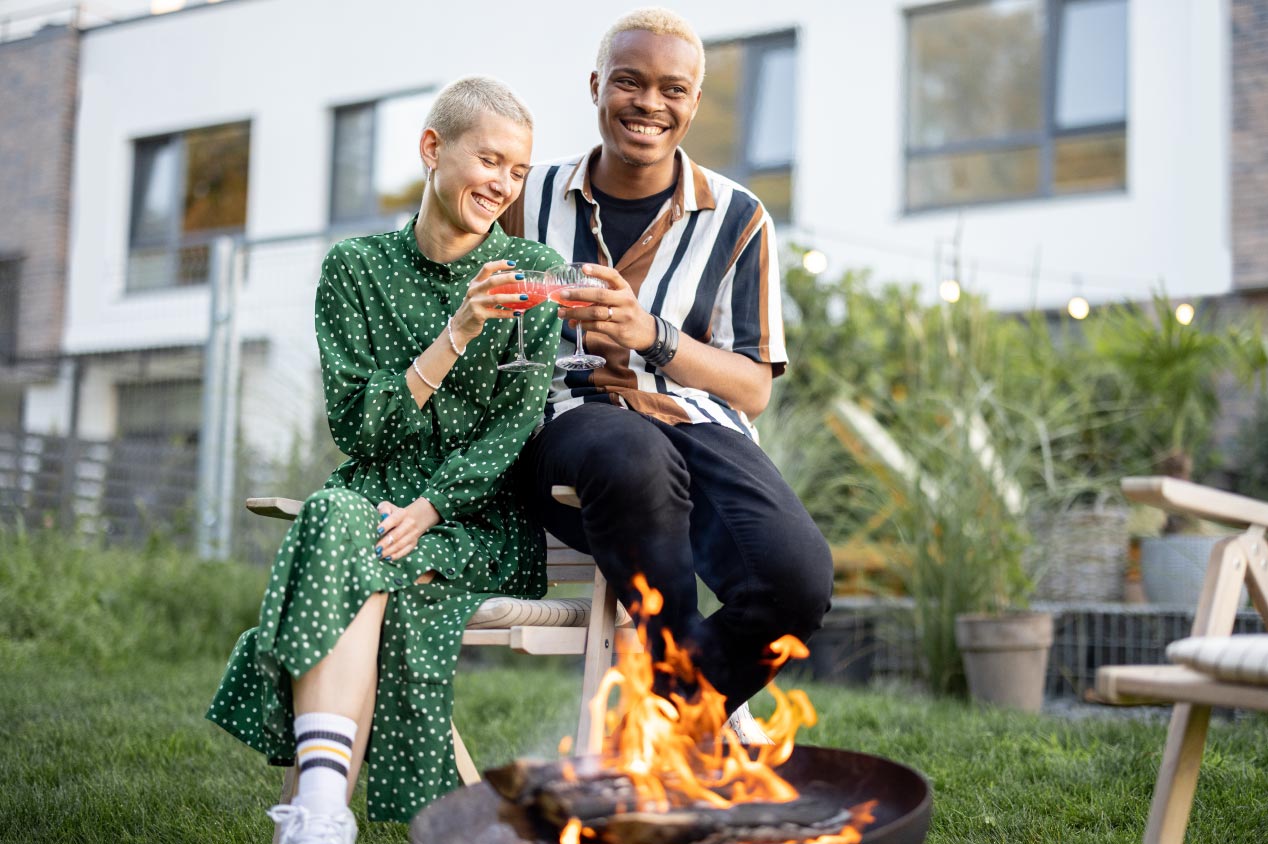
x=1034 y=150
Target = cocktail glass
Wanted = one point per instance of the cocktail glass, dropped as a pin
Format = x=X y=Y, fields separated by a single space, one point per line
x=535 y=286
x=571 y=277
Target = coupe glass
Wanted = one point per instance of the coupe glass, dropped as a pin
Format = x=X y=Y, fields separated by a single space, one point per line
x=533 y=285
x=571 y=277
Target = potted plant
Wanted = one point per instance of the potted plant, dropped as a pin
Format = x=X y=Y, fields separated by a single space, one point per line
x=961 y=516
x=1174 y=372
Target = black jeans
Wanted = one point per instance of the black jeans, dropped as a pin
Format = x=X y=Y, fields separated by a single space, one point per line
x=675 y=501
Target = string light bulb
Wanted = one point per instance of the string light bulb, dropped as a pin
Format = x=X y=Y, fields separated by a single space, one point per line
x=949 y=290
x=1185 y=313
x=814 y=261
x=1078 y=307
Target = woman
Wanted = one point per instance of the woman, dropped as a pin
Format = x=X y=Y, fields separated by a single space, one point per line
x=362 y=620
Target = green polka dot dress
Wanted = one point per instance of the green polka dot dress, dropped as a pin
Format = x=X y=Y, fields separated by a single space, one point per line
x=379 y=303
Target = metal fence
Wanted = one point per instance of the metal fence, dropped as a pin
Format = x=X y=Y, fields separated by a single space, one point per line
x=119 y=489
x=190 y=399
x=866 y=639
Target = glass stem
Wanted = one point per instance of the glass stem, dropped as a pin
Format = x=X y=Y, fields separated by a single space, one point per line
x=519 y=329
x=581 y=346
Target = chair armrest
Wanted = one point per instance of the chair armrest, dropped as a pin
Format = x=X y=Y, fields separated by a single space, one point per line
x=1195 y=500
x=276 y=508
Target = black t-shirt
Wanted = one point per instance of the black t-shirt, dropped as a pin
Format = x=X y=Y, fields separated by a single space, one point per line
x=625 y=220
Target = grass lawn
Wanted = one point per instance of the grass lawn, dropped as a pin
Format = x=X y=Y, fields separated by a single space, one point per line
x=122 y=754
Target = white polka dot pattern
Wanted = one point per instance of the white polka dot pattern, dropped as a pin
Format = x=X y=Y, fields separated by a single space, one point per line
x=379 y=303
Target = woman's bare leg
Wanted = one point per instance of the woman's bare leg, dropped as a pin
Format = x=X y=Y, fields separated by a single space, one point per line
x=346 y=676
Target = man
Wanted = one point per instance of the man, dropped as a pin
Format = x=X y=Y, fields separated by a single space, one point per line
x=658 y=441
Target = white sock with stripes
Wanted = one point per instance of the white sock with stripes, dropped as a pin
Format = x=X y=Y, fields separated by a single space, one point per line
x=323 y=752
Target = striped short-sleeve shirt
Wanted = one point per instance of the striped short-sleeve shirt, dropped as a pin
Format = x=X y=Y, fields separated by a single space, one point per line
x=707 y=263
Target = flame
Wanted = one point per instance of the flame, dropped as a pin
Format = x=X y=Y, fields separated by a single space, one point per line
x=571 y=833
x=680 y=752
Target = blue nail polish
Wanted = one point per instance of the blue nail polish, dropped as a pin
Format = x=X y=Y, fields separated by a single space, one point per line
x=510 y=263
x=382 y=529
x=378 y=549
x=387 y=559
x=519 y=276
x=382 y=516
x=517 y=313
x=523 y=297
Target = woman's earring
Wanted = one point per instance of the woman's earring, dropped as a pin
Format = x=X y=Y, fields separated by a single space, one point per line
x=426 y=174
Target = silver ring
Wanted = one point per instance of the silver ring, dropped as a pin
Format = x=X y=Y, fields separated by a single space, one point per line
x=609 y=313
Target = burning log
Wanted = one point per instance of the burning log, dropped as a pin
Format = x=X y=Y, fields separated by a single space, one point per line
x=607 y=803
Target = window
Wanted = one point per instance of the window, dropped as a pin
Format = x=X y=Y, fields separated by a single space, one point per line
x=377 y=174
x=746 y=127
x=187 y=189
x=1009 y=99
x=160 y=411
x=9 y=309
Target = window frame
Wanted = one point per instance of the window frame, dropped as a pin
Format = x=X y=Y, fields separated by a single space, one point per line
x=368 y=217
x=11 y=300
x=752 y=48
x=174 y=240
x=1045 y=139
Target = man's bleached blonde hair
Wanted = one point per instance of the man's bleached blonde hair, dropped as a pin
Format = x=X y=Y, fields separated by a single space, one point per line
x=461 y=103
x=657 y=21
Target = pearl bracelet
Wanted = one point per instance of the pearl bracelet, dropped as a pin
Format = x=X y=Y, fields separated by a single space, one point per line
x=419 y=373
x=452 y=344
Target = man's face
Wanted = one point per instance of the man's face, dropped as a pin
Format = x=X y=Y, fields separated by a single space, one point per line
x=647 y=96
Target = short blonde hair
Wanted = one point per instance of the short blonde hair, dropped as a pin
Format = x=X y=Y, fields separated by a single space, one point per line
x=657 y=21
x=461 y=103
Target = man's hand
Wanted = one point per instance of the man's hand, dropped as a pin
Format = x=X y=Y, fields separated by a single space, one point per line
x=401 y=527
x=615 y=312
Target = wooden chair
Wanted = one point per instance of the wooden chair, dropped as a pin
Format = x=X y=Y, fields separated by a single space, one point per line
x=545 y=627
x=1237 y=560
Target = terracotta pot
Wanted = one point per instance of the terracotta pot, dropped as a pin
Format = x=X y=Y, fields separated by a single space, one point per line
x=1006 y=657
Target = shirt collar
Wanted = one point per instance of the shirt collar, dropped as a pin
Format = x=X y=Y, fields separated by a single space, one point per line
x=690 y=194
x=492 y=248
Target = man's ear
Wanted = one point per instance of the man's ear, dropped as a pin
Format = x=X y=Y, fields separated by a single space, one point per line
x=594 y=87
x=428 y=146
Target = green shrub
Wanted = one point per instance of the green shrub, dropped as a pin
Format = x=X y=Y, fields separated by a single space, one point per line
x=61 y=596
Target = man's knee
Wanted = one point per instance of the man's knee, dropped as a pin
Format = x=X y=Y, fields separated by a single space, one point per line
x=803 y=594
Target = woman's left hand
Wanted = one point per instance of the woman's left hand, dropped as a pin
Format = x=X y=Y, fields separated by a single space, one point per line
x=401 y=527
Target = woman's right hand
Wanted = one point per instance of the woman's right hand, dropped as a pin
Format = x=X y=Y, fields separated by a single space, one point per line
x=479 y=305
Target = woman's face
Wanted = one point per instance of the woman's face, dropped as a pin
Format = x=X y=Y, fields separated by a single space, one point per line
x=477 y=175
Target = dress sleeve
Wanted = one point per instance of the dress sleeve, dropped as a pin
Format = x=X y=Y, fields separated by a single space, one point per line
x=370 y=409
x=471 y=474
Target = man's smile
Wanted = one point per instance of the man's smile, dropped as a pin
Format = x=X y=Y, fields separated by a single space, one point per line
x=639 y=127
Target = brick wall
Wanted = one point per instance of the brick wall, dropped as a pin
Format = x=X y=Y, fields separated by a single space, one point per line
x=1250 y=142
x=37 y=121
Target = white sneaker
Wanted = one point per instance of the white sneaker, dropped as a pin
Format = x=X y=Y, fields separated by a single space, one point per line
x=745 y=726
x=297 y=825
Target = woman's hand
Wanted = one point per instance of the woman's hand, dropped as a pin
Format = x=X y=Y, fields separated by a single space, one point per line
x=479 y=305
x=401 y=527
x=616 y=312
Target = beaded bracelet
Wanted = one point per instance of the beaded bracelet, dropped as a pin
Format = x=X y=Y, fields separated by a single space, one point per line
x=452 y=344
x=419 y=373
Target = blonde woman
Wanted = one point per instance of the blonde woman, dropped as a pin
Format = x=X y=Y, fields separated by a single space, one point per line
x=362 y=621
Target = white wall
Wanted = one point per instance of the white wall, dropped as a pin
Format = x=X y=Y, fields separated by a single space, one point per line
x=284 y=64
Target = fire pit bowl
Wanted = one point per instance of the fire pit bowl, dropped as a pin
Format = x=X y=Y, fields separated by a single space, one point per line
x=478 y=815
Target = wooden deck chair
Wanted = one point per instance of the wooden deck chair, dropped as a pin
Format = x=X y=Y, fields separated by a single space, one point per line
x=551 y=626
x=1237 y=560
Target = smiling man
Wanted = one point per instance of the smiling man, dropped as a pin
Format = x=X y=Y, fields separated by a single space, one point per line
x=659 y=442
